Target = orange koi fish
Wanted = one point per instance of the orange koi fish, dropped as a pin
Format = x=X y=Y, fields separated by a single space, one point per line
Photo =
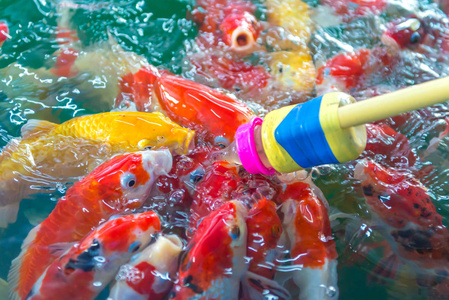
x=214 y=263
x=388 y=146
x=215 y=188
x=264 y=231
x=409 y=222
x=312 y=248
x=87 y=267
x=148 y=275
x=119 y=185
x=51 y=153
x=194 y=105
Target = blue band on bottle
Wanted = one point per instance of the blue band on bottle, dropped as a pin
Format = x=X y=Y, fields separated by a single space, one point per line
x=301 y=135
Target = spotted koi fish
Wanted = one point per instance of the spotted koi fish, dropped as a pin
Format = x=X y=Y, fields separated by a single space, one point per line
x=407 y=219
x=149 y=274
x=87 y=267
x=119 y=185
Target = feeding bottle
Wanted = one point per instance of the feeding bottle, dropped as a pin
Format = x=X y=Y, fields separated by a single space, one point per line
x=299 y=136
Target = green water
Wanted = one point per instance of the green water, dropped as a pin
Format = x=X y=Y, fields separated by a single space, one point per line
x=158 y=31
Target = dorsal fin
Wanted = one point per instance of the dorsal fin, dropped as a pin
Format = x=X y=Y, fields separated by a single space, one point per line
x=36 y=127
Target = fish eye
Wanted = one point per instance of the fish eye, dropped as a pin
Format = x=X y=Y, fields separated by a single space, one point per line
x=197 y=174
x=415 y=38
x=221 y=141
x=128 y=180
x=235 y=232
x=134 y=247
x=144 y=144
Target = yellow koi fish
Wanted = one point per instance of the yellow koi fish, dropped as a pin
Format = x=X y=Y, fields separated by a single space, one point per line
x=49 y=153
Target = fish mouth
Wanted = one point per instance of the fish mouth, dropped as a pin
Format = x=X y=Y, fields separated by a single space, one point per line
x=242 y=40
x=359 y=171
x=157 y=162
x=391 y=44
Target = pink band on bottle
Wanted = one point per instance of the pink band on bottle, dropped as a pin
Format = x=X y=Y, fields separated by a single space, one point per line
x=246 y=148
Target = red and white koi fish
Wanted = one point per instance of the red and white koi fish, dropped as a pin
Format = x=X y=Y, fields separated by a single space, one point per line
x=312 y=248
x=118 y=185
x=149 y=274
x=214 y=262
x=408 y=220
x=87 y=267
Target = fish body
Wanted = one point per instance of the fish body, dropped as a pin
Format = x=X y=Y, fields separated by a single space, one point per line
x=194 y=105
x=312 y=248
x=149 y=274
x=409 y=220
x=51 y=153
x=87 y=267
x=388 y=147
x=4 y=33
x=214 y=263
x=215 y=188
x=406 y=217
x=119 y=185
x=264 y=231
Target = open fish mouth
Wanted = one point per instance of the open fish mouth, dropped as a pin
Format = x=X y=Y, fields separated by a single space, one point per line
x=159 y=162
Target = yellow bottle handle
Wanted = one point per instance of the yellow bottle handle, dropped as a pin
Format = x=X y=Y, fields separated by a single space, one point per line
x=395 y=103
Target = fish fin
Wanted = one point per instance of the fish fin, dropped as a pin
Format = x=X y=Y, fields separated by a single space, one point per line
x=13 y=274
x=36 y=127
x=3 y=289
x=58 y=249
x=258 y=287
x=386 y=269
x=8 y=214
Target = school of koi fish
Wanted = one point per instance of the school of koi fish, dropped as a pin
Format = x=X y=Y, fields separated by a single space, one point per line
x=153 y=207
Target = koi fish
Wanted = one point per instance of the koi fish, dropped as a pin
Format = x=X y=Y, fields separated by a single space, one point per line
x=388 y=147
x=348 y=71
x=406 y=218
x=312 y=248
x=148 y=274
x=47 y=151
x=4 y=33
x=350 y=9
x=414 y=32
x=215 y=188
x=214 y=263
x=87 y=267
x=294 y=17
x=264 y=231
x=119 y=185
x=228 y=22
x=198 y=107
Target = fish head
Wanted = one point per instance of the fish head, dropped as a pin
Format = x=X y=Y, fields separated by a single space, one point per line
x=211 y=113
x=112 y=243
x=240 y=31
x=215 y=253
x=396 y=197
x=4 y=32
x=215 y=188
x=404 y=33
x=125 y=181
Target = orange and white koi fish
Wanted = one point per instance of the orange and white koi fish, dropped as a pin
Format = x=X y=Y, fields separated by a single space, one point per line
x=87 y=267
x=149 y=274
x=214 y=262
x=312 y=248
x=52 y=153
x=119 y=185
